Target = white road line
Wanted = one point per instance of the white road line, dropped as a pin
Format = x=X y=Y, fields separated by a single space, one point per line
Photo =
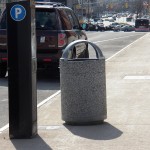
x=58 y=92
x=4 y=100
x=39 y=105
x=47 y=99
x=4 y=128
x=113 y=39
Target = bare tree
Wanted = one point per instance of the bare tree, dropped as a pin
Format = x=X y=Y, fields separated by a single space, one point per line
x=138 y=7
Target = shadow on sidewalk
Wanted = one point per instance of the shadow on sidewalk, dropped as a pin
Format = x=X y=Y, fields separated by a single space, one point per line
x=103 y=131
x=36 y=143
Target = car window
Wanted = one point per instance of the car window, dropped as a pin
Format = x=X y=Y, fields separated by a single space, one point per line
x=3 y=21
x=70 y=18
x=66 y=24
x=73 y=19
x=46 y=19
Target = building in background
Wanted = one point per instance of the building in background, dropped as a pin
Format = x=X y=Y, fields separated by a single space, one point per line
x=87 y=8
x=94 y=8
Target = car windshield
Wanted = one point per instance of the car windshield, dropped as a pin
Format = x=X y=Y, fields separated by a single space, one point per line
x=46 y=19
x=3 y=21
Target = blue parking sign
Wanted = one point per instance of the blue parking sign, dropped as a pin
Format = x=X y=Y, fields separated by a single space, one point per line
x=17 y=12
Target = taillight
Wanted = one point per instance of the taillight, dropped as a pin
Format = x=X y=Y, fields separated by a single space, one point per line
x=47 y=59
x=62 y=39
x=4 y=59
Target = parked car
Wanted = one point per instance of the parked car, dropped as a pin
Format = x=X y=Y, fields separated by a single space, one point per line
x=107 y=24
x=117 y=28
x=128 y=28
x=113 y=25
x=91 y=27
x=101 y=27
x=56 y=27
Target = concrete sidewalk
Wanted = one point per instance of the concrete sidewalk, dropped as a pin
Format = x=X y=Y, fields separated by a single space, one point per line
x=128 y=106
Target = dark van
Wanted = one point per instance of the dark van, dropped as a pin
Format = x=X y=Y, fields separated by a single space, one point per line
x=56 y=27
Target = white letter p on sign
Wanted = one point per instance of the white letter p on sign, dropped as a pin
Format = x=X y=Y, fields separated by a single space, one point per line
x=17 y=12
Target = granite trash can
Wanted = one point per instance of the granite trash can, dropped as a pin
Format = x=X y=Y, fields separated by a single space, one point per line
x=83 y=87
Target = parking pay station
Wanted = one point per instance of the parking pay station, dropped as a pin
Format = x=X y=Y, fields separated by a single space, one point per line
x=21 y=41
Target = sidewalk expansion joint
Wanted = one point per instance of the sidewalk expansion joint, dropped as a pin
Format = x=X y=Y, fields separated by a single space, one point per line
x=52 y=127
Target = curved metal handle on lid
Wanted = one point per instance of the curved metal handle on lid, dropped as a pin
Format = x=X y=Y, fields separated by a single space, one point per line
x=69 y=48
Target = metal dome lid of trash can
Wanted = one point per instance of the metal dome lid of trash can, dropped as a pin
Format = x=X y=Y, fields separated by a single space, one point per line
x=66 y=51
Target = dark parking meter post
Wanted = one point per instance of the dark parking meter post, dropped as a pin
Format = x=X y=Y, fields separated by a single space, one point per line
x=83 y=87
x=21 y=39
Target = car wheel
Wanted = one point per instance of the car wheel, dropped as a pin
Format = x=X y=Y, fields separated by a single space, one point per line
x=3 y=70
